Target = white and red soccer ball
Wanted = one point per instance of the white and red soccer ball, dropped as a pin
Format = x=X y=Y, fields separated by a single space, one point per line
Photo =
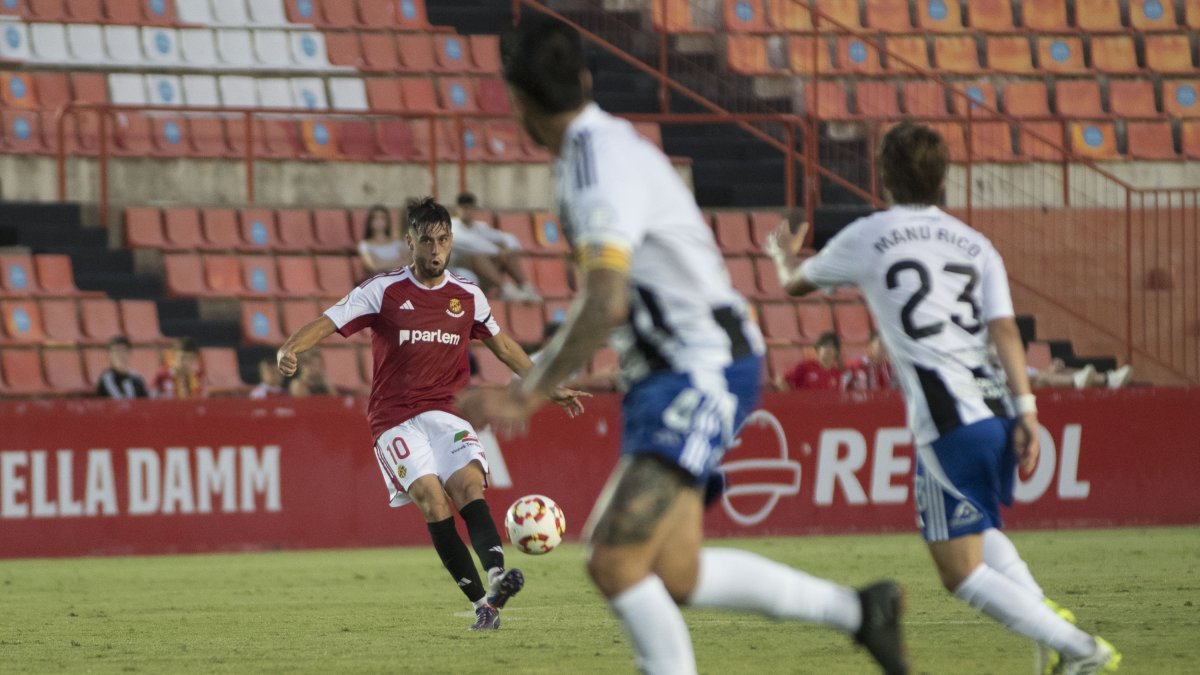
x=535 y=524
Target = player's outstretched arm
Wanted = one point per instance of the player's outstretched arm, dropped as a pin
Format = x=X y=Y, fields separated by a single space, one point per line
x=301 y=341
x=783 y=245
x=512 y=355
x=1006 y=337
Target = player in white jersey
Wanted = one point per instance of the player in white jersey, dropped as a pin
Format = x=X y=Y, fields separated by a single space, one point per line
x=652 y=275
x=939 y=294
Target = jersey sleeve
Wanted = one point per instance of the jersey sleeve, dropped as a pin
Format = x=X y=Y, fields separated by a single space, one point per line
x=836 y=264
x=485 y=325
x=608 y=211
x=996 y=297
x=358 y=310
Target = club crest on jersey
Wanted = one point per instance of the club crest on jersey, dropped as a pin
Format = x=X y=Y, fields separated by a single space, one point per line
x=455 y=310
x=401 y=471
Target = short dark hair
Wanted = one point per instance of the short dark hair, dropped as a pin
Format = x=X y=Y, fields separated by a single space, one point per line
x=378 y=208
x=543 y=59
x=466 y=199
x=912 y=161
x=829 y=338
x=426 y=214
x=187 y=345
x=119 y=341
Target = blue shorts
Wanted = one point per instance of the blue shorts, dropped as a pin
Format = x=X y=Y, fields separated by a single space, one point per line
x=690 y=423
x=963 y=477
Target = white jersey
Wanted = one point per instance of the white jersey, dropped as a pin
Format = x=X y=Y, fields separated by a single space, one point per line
x=933 y=284
x=616 y=191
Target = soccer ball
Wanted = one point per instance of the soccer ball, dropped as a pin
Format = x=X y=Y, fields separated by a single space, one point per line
x=535 y=524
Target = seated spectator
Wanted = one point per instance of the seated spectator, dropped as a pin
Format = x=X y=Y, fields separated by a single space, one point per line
x=310 y=377
x=873 y=371
x=118 y=381
x=823 y=372
x=183 y=375
x=382 y=249
x=1059 y=375
x=489 y=254
x=270 y=381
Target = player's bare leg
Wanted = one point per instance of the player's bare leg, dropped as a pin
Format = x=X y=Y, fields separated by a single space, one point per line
x=465 y=488
x=429 y=496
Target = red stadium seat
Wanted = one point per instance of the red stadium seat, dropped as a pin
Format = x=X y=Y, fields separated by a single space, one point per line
x=1181 y=98
x=18 y=276
x=991 y=141
x=1026 y=98
x=504 y=141
x=1037 y=355
x=395 y=140
x=208 y=137
x=14 y=8
x=1060 y=54
x=296 y=314
x=1095 y=140
x=906 y=54
x=220 y=230
x=1132 y=98
x=924 y=99
x=223 y=275
x=1044 y=16
x=1169 y=54
x=101 y=319
x=260 y=323
x=384 y=95
x=741 y=272
x=876 y=99
x=356 y=141
x=140 y=319
x=21 y=373
x=63 y=369
x=1078 y=98
x=259 y=276
x=295 y=230
x=524 y=322
x=419 y=95
x=256 y=228
x=1098 y=16
x=221 y=369
x=491 y=370
x=551 y=275
x=379 y=52
x=815 y=317
x=853 y=321
x=779 y=322
x=889 y=15
x=133 y=135
x=942 y=16
x=344 y=49
x=1010 y=54
x=48 y=10
x=343 y=370
x=518 y=225
x=990 y=16
x=85 y=11
x=417 y=53
x=1152 y=15
x=457 y=94
x=733 y=232
x=171 y=137
x=956 y=54
x=453 y=53
x=952 y=133
x=762 y=224
x=23 y=132
x=1190 y=137
x=55 y=275
x=1150 y=140
x=298 y=275
x=1116 y=54
x=485 y=53
x=1041 y=140
x=182 y=228
x=334 y=275
x=52 y=89
x=127 y=12
x=339 y=13
x=89 y=87
x=332 y=229
x=768 y=278
x=60 y=321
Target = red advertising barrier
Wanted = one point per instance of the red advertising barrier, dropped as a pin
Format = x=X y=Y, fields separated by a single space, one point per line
x=99 y=477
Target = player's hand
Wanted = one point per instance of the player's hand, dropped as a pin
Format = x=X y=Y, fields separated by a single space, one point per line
x=286 y=361
x=569 y=400
x=506 y=410
x=784 y=242
x=1025 y=443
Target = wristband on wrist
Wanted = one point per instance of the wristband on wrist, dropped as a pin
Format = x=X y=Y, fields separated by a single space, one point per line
x=1026 y=404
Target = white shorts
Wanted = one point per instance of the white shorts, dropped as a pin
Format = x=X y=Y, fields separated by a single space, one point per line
x=433 y=442
x=473 y=242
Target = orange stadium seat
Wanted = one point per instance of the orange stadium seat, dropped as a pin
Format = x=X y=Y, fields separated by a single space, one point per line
x=223 y=275
x=170 y=136
x=298 y=275
x=384 y=95
x=260 y=323
x=89 y=87
x=924 y=99
x=220 y=230
x=1026 y=98
x=295 y=230
x=221 y=369
x=64 y=371
x=1150 y=140
x=741 y=272
x=1181 y=98
x=857 y=55
x=889 y=15
x=789 y=15
x=912 y=51
x=344 y=49
x=768 y=278
x=338 y=13
x=379 y=52
x=853 y=321
x=453 y=53
x=258 y=275
x=548 y=234
x=746 y=16
x=319 y=139
x=21 y=373
x=674 y=16
x=524 y=323
x=101 y=319
x=990 y=16
x=60 y=321
x=127 y=12
x=1041 y=140
x=417 y=53
x=876 y=99
x=816 y=317
x=779 y=322
x=208 y=137
x=1098 y=16
x=132 y=135
x=733 y=232
x=419 y=95
x=491 y=96
x=1096 y=140
x=942 y=16
x=85 y=11
x=457 y=94
x=332 y=229
x=800 y=55
x=981 y=94
x=1116 y=54
x=1189 y=132
x=1060 y=54
x=55 y=275
x=48 y=10
x=52 y=89
x=485 y=54
x=1009 y=54
x=182 y=228
x=22 y=321
x=140 y=319
x=334 y=275
x=1169 y=54
x=830 y=100
x=952 y=133
x=257 y=229
x=18 y=90
x=956 y=54
x=23 y=132
x=991 y=141
x=1151 y=15
x=1191 y=14
x=1078 y=98
x=747 y=55
x=18 y=276
x=844 y=12
x=1132 y=98
x=235 y=129
x=1044 y=15
x=296 y=313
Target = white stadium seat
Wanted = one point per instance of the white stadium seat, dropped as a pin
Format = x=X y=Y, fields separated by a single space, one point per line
x=14 y=45
x=126 y=89
x=308 y=49
x=201 y=90
x=271 y=48
x=86 y=44
x=231 y=12
x=348 y=93
x=309 y=93
x=124 y=44
x=160 y=45
x=194 y=11
x=197 y=47
x=238 y=91
x=234 y=47
x=49 y=42
x=164 y=90
x=267 y=12
x=275 y=92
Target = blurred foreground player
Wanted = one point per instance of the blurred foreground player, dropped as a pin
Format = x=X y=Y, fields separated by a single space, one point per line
x=422 y=320
x=939 y=294
x=652 y=276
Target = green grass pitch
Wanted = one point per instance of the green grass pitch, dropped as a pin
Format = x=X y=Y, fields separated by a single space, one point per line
x=395 y=610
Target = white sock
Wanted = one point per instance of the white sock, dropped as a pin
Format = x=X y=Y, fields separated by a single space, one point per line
x=493 y=574
x=1022 y=612
x=480 y=602
x=655 y=627
x=733 y=579
x=1000 y=555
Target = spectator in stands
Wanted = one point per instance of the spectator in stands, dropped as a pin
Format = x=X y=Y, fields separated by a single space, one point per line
x=382 y=249
x=270 y=381
x=118 y=381
x=489 y=254
x=874 y=370
x=310 y=378
x=823 y=372
x=1059 y=375
x=183 y=376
